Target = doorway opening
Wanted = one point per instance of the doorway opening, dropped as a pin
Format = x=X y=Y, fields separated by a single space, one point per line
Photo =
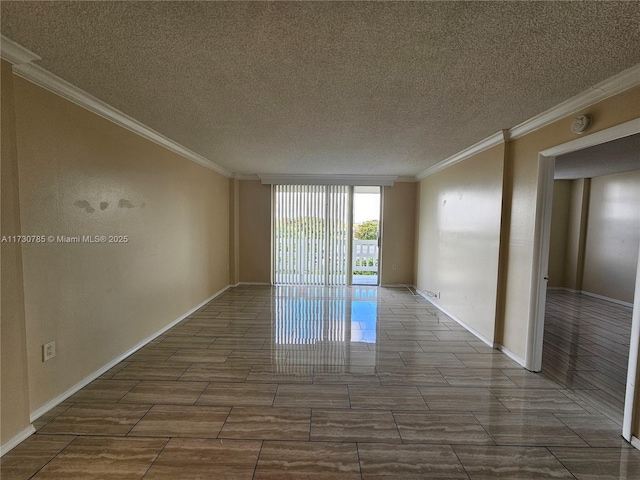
x=595 y=237
x=365 y=251
x=540 y=274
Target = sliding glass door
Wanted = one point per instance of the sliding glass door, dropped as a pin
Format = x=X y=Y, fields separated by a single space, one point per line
x=365 y=254
x=311 y=234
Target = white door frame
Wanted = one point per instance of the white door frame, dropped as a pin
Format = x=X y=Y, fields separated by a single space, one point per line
x=541 y=241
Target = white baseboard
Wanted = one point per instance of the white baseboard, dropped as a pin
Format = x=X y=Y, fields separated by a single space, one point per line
x=457 y=320
x=563 y=289
x=635 y=442
x=590 y=294
x=90 y=378
x=19 y=438
x=510 y=354
x=252 y=283
x=608 y=299
x=398 y=285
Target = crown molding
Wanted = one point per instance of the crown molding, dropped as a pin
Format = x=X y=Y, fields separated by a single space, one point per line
x=406 y=179
x=15 y=53
x=614 y=85
x=487 y=143
x=22 y=58
x=360 y=180
x=47 y=80
x=620 y=82
x=244 y=176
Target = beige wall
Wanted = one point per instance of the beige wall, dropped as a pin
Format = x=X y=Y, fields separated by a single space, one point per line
x=595 y=233
x=82 y=175
x=613 y=236
x=14 y=387
x=255 y=232
x=459 y=238
x=558 y=241
x=234 y=231
x=576 y=233
x=398 y=224
x=522 y=156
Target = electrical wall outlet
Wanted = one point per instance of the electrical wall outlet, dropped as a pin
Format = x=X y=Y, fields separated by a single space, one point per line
x=48 y=351
x=438 y=293
x=393 y=267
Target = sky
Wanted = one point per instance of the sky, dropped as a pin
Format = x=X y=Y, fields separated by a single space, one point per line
x=367 y=207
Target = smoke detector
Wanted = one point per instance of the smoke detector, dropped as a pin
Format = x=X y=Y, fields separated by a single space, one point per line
x=581 y=124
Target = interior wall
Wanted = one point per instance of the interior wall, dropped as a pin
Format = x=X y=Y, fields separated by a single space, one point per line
x=559 y=222
x=255 y=232
x=14 y=386
x=398 y=235
x=83 y=175
x=576 y=233
x=459 y=238
x=234 y=231
x=522 y=156
x=613 y=236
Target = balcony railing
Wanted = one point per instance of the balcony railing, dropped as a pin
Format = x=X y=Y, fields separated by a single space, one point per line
x=365 y=256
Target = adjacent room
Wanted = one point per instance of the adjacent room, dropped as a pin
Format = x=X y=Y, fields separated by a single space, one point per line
x=258 y=240
x=593 y=258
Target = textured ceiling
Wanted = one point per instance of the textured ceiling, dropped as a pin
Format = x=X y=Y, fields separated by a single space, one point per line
x=329 y=87
x=618 y=156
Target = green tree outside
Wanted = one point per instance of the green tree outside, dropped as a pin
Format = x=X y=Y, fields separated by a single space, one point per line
x=366 y=230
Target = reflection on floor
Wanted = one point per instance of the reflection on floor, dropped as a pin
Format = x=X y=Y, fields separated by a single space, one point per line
x=340 y=383
x=365 y=280
x=586 y=348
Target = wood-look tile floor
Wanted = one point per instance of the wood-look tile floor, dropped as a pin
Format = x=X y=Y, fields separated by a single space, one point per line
x=335 y=383
x=586 y=349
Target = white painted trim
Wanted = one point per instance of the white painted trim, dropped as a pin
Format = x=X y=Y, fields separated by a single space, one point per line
x=21 y=59
x=481 y=146
x=635 y=442
x=358 y=180
x=622 y=130
x=457 y=320
x=242 y=176
x=632 y=392
x=563 y=289
x=407 y=179
x=607 y=299
x=16 y=440
x=90 y=378
x=540 y=263
x=510 y=354
x=15 y=53
x=253 y=283
x=608 y=88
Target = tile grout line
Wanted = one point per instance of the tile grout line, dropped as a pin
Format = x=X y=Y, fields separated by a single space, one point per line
x=156 y=458
x=358 y=456
x=453 y=449
x=397 y=428
x=140 y=419
x=255 y=468
x=560 y=461
x=55 y=456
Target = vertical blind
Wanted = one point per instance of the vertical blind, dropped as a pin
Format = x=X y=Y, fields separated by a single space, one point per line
x=311 y=234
